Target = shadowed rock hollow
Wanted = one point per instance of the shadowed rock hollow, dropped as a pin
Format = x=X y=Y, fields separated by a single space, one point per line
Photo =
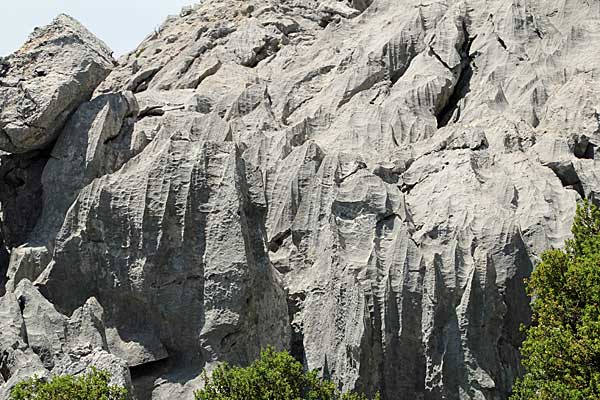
x=364 y=183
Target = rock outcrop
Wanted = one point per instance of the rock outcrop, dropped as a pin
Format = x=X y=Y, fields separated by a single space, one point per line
x=55 y=71
x=363 y=183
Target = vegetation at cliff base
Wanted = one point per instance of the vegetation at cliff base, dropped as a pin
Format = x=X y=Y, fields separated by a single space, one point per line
x=562 y=351
x=92 y=386
x=274 y=376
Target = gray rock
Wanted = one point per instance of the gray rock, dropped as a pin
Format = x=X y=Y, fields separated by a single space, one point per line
x=86 y=329
x=364 y=183
x=97 y=140
x=17 y=360
x=26 y=262
x=338 y=8
x=43 y=82
x=45 y=327
x=19 y=365
x=37 y=340
x=184 y=293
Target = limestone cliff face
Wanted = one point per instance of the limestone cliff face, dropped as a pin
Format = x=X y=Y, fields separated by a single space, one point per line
x=364 y=183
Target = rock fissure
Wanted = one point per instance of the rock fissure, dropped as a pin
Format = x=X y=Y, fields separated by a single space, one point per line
x=209 y=72
x=440 y=59
x=276 y=243
x=359 y=166
x=462 y=86
x=565 y=171
x=502 y=43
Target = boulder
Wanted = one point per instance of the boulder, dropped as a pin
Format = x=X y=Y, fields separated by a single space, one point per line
x=44 y=82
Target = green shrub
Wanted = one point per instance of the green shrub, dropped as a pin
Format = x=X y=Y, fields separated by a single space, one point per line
x=274 y=376
x=562 y=351
x=92 y=386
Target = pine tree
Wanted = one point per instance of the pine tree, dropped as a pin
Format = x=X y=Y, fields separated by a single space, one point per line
x=561 y=353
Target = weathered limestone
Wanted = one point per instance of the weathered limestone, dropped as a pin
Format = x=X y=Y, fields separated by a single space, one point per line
x=364 y=183
x=42 y=83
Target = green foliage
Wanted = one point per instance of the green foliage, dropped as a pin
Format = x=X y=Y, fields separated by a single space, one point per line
x=562 y=351
x=92 y=386
x=274 y=376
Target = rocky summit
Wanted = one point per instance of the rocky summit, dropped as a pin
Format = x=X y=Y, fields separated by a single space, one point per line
x=365 y=183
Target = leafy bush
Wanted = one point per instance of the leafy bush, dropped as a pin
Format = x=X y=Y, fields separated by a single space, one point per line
x=274 y=376
x=562 y=351
x=92 y=386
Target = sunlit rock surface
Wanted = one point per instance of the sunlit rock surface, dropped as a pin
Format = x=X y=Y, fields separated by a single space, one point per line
x=363 y=183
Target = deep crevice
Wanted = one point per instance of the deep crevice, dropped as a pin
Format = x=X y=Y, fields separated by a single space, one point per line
x=502 y=43
x=463 y=84
x=148 y=368
x=24 y=335
x=361 y=5
x=568 y=176
x=21 y=194
x=535 y=120
x=276 y=243
x=152 y=111
x=4 y=261
x=140 y=375
x=384 y=219
x=295 y=303
x=5 y=373
x=142 y=80
x=584 y=149
x=270 y=48
x=406 y=188
x=326 y=20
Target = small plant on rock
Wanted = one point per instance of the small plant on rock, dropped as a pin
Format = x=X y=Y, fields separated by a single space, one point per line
x=92 y=386
x=274 y=376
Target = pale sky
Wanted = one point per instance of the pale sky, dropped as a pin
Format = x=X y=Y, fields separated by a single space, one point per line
x=122 y=24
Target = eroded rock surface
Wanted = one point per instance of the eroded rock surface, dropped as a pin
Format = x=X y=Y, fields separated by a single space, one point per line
x=41 y=84
x=364 y=183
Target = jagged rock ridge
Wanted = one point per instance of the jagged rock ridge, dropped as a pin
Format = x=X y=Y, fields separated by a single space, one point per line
x=365 y=183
